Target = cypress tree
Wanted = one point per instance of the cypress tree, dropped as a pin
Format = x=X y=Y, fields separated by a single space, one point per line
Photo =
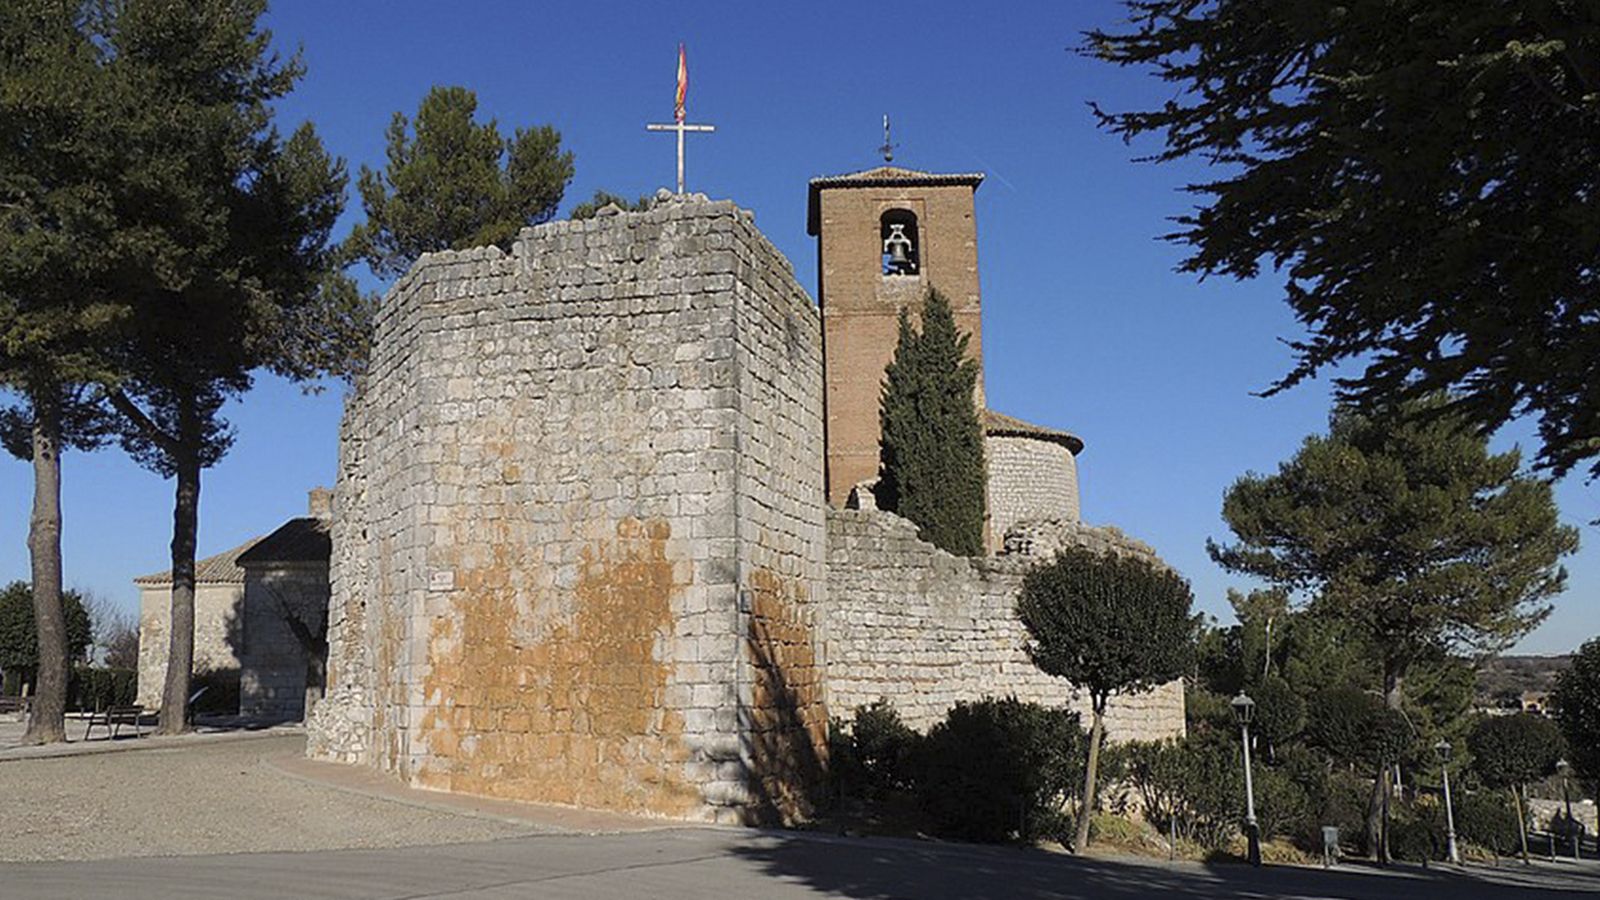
x=931 y=449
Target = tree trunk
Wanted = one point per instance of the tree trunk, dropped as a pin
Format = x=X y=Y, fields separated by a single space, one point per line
x=47 y=723
x=1086 y=812
x=180 y=656
x=1522 y=827
x=1375 y=810
x=1378 y=803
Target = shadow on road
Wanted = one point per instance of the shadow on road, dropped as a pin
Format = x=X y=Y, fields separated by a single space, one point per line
x=873 y=869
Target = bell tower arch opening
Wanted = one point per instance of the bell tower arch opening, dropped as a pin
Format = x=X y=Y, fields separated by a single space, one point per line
x=897 y=229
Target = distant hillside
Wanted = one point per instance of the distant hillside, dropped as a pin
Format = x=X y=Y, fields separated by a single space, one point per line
x=1503 y=679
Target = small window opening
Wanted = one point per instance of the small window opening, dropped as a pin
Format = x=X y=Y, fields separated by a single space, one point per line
x=898 y=232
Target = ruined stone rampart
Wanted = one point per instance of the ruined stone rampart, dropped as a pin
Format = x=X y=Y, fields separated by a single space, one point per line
x=579 y=524
x=922 y=629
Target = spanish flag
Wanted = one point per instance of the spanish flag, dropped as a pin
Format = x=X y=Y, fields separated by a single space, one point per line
x=683 y=81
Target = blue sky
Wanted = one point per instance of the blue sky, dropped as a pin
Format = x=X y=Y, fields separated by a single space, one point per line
x=1086 y=325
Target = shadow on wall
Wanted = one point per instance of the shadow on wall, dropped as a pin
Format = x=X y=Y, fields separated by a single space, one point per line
x=221 y=697
x=880 y=869
x=786 y=722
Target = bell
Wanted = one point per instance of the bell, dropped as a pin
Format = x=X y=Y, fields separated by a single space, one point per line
x=897 y=246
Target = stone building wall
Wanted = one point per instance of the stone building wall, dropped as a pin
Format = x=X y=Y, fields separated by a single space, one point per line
x=922 y=629
x=272 y=677
x=218 y=629
x=1029 y=478
x=577 y=539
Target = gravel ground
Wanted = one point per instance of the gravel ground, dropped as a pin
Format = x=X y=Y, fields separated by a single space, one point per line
x=209 y=798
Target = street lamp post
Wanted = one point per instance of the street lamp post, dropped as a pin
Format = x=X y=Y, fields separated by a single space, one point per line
x=1565 y=768
x=1244 y=710
x=1443 y=749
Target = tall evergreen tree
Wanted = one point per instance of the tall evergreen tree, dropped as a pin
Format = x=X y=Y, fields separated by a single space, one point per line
x=53 y=205
x=931 y=449
x=1577 y=703
x=232 y=222
x=1403 y=525
x=1425 y=173
x=451 y=183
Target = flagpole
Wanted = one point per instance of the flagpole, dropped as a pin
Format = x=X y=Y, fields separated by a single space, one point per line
x=680 y=156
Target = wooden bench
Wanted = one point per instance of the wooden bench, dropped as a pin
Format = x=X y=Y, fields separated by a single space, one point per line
x=13 y=705
x=114 y=718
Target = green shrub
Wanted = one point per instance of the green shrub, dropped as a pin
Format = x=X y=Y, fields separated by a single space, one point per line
x=1487 y=819
x=1283 y=807
x=1416 y=832
x=884 y=747
x=1356 y=727
x=1280 y=713
x=998 y=770
x=1344 y=805
x=92 y=688
x=1194 y=787
x=844 y=770
x=1207 y=711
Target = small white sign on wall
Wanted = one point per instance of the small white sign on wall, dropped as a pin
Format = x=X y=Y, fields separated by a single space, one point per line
x=444 y=580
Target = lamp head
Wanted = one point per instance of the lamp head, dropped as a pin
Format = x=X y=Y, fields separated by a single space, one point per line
x=1442 y=748
x=1243 y=708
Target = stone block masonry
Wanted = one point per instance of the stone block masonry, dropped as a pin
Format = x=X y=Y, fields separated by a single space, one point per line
x=579 y=524
x=924 y=630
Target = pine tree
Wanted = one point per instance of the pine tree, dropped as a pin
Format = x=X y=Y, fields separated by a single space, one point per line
x=1402 y=525
x=451 y=184
x=931 y=449
x=1337 y=133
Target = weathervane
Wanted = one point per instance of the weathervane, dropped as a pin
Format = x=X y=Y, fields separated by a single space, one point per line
x=678 y=124
x=887 y=149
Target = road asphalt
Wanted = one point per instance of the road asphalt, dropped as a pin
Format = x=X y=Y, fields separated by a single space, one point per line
x=154 y=823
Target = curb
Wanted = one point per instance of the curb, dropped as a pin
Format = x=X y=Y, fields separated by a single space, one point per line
x=136 y=745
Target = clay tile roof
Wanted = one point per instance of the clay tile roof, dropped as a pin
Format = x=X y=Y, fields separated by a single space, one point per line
x=1001 y=424
x=297 y=540
x=882 y=176
x=220 y=569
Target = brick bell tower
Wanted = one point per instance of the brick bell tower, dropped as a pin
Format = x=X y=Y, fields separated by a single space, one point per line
x=884 y=236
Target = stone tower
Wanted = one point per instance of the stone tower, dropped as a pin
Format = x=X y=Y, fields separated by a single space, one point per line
x=884 y=236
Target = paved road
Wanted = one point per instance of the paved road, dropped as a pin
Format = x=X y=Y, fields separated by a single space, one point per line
x=696 y=863
x=112 y=823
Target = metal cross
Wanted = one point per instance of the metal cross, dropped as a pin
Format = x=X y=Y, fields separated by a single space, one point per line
x=681 y=128
x=887 y=149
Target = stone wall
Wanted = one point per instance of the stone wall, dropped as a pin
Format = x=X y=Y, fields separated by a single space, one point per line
x=914 y=625
x=1029 y=478
x=272 y=677
x=218 y=631
x=577 y=538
